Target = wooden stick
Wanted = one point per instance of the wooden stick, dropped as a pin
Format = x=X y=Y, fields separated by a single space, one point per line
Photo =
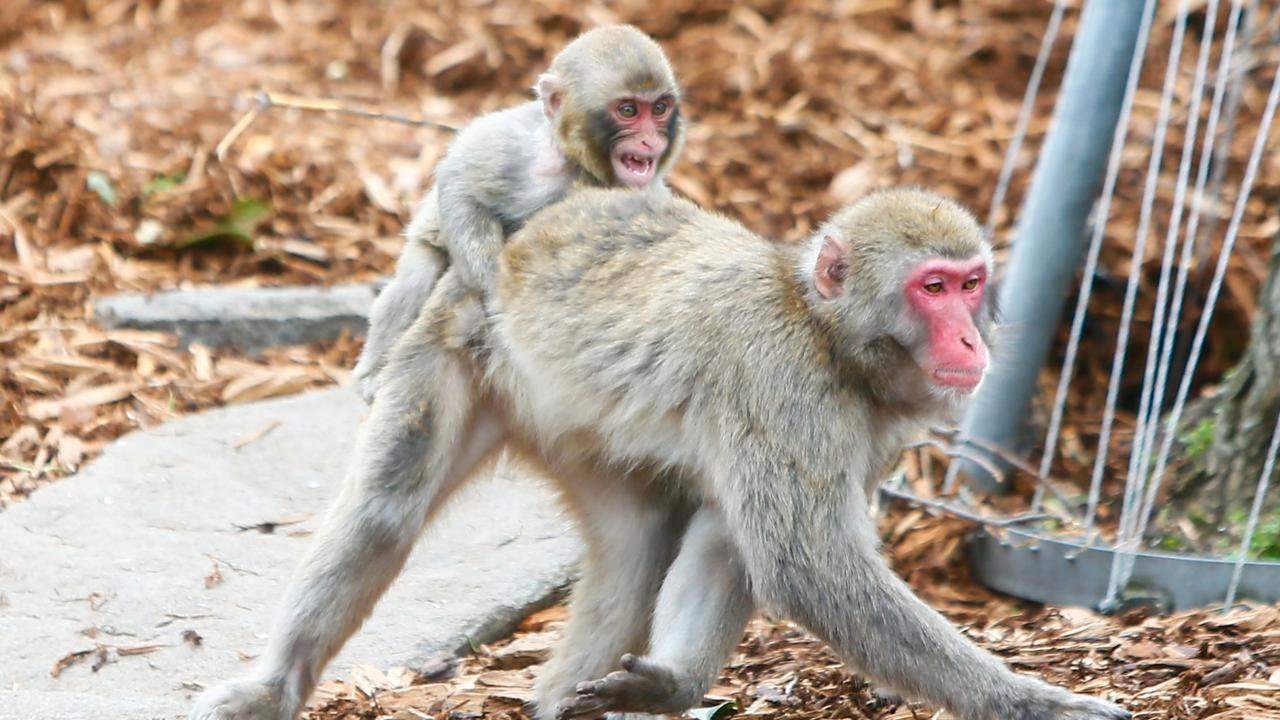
x=265 y=100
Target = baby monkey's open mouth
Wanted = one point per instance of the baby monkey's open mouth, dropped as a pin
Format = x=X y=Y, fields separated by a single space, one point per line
x=634 y=170
x=638 y=165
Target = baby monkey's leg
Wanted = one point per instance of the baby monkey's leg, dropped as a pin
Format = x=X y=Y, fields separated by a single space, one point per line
x=421 y=263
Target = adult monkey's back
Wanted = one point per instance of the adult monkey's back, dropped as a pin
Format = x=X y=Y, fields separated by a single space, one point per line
x=786 y=379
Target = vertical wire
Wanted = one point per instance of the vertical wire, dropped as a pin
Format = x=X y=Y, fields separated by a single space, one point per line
x=1024 y=113
x=1168 y=332
x=1132 y=484
x=1220 y=271
x=1156 y=371
x=1191 y=239
x=1011 y=159
x=1248 y=19
x=1091 y=262
x=1259 y=495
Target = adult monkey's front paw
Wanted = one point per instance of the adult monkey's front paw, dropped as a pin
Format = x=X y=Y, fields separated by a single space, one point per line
x=1047 y=702
x=1083 y=707
x=244 y=700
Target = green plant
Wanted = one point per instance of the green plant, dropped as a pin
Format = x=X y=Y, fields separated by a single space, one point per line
x=1199 y=438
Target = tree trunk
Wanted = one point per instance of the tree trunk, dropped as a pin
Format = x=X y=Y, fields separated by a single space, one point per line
x=1224 y=438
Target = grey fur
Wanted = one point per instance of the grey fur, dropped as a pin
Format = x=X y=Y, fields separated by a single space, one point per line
x=702 y=608
x=506 y=165
x=777 y=434
x=485 y=188
x=699 y=369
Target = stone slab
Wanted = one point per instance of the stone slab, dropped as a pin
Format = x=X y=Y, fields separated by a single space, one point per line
x=125 y=547
x=246 y=318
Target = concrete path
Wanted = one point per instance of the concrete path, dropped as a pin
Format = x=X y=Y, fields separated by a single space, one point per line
x=123 y=556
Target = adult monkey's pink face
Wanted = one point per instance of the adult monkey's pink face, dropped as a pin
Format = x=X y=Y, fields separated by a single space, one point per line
x=947 y=295
x=641 y=134
x=911 y=267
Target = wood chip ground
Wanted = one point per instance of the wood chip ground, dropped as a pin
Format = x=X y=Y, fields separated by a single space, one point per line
x=112 y=113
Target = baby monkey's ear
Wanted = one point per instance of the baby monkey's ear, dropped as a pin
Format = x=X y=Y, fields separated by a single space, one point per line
x=831 y=267
x=548 y=91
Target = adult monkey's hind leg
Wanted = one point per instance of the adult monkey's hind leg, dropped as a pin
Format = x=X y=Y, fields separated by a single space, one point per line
x=425 y=435
x=702 y=609
x=632 y=529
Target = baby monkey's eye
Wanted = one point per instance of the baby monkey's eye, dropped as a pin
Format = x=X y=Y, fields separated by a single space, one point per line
x=627 y=110
x=970 y=284
x=659 y=109
x=933 y=288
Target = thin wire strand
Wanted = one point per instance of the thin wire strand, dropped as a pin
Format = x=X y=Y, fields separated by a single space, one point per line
x=1259 y=496
x=1155 y=371
x=1132 y=482
x=1248 y=21
x=1010 y=162
x=1219 y=273
x=1168 y=339
x=1091 y=263
x=958 y=511
x=1024 y=113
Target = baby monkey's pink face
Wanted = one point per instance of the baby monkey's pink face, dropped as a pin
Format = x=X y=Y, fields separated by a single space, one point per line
x=643 y=128
x=947 y=294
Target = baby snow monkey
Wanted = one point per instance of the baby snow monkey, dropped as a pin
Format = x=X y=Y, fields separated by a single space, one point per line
x=607 y=114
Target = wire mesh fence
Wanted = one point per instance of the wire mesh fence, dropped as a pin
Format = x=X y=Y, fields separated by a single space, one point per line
x=1178 y=145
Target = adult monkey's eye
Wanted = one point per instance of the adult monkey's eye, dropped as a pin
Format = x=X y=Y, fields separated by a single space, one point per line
x=933 y=288
x=627 y=110
x=970 y=284
x=659 y=108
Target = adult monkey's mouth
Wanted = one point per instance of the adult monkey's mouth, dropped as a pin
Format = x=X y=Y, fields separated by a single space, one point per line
x=966 y=379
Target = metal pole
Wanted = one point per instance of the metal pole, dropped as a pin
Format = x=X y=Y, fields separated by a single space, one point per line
x=1051 y=239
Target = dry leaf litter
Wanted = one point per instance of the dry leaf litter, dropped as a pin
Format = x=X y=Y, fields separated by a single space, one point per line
x=1200 y=664
x=113 y=113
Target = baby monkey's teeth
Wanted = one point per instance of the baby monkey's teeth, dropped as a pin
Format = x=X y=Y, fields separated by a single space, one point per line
x=637 y=164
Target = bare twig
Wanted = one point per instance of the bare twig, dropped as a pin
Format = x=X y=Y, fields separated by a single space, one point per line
x=266 y=99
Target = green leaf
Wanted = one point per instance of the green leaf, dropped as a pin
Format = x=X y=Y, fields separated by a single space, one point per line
x=160 y=183
x=238 y=224
x=1266 y=539
x=715 y=712
x=98 y=182
x=1199 y=439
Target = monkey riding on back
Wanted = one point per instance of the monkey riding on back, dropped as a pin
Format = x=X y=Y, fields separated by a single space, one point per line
x=607 y=114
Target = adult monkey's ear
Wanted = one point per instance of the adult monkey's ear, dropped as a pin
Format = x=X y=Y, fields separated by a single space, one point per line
x=548 y=90
x=831 y=267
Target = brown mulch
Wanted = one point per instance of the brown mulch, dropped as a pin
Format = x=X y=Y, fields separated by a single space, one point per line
x=1190 y=665
x=111 y=112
